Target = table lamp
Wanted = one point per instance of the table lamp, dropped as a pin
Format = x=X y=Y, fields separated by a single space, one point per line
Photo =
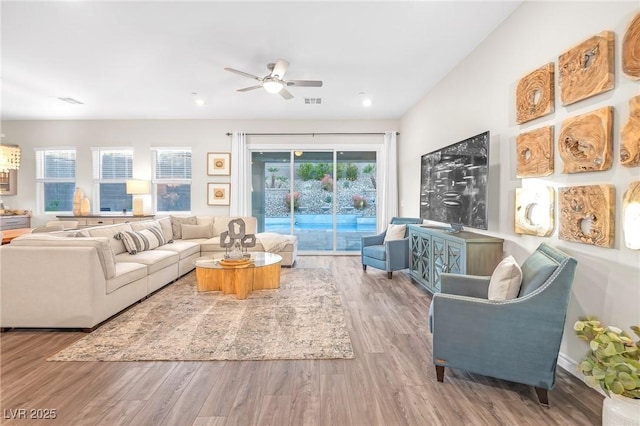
x=138 y=187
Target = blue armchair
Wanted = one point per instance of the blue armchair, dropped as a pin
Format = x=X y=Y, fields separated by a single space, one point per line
x=390 y=256
x=516 y=340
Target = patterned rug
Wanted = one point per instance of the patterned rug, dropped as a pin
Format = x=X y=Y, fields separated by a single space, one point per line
x=303 y=319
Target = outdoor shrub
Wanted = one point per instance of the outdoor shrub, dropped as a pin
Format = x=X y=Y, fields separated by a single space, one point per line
x=281 y=180
x=305 y=171
x=368 y=168
x=296 y=201
x=327 y=183
x=340 y=171
x=352 y=172
x=322 y=169
x=328 y=199
x=359 y=202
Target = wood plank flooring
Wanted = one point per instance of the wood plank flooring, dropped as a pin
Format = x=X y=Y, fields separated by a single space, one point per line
x=390 y=382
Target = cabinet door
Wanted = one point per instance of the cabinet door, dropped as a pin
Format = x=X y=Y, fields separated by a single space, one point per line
x=455 y=258
x=439 y=261
x=420 y=254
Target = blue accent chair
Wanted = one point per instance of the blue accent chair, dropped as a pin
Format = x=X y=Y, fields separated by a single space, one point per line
x=390 y=256
x=516 y=340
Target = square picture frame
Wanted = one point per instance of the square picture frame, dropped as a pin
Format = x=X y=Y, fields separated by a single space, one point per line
x=218 y=163
x=218 y=194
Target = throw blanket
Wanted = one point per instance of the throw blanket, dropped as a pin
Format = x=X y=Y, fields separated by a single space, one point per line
x=272 y=242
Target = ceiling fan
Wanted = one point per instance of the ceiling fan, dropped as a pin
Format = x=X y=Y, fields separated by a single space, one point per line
x=274 y=82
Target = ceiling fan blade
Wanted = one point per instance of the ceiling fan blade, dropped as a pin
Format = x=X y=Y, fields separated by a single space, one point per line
x=242 y=73
x=246 y=89
x=280 y=68
x=306 y=83
x=285 y=94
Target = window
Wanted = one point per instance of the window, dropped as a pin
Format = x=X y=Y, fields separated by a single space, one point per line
x=111 y=169
x=172 y=179
x=55 y=179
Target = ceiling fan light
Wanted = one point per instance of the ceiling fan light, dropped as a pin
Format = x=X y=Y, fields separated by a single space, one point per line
x=272 y=86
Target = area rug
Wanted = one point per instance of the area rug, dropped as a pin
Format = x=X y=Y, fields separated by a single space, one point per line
x=303 y=319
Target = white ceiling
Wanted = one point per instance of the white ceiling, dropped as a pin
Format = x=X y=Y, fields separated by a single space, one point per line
x=138 y=60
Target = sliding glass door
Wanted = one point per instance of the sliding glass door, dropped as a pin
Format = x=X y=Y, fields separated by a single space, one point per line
x=327 y=198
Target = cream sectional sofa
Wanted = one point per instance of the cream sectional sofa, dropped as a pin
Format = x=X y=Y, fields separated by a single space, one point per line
x=78 y=279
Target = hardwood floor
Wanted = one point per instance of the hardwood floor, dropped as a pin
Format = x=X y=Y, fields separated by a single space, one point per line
x=390 y=382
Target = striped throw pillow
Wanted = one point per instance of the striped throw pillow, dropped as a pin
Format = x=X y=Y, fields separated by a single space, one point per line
x=146 y=239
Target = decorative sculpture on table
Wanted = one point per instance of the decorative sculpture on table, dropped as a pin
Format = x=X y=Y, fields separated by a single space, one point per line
x=236 y=241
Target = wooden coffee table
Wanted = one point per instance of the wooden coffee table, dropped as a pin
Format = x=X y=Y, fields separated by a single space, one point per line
x=263 y=272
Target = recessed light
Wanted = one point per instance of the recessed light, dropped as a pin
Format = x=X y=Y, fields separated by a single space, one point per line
x=366 y=102
x=199 y=102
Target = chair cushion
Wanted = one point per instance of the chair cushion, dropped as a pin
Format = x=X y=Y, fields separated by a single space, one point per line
x=375 y=252
x=535 y=271
x=505 y=280
x=395 y=232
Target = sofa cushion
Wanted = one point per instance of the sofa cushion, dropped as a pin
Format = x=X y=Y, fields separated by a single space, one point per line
x=395 y=232
x=183 y=248
x=108 y=231
x=178 y=221
x=204 y=220
x=126 y=273
x=505 y=280
x=137 y=241
x=163 y=223
x=154 y=259
x=189 y=232
x=102 y=245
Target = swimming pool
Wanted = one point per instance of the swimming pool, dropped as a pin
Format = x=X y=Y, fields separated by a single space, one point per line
x=304 y=222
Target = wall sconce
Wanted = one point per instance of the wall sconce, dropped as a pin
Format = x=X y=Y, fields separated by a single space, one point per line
x=138 y=187
x=631 y=216
x=9 y=158
x=535 y=212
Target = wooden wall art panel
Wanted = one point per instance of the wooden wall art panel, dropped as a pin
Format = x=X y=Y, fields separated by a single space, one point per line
x=587 y=69
x=535 y=153
x=630 y=136
x=631 y=49
x=535 y=211
x=631 y=216
x=585 y=142
x=535 y=94
x=593 y=205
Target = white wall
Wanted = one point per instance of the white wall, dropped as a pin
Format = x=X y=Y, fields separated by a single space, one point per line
x=479 y=95
x=201 y=135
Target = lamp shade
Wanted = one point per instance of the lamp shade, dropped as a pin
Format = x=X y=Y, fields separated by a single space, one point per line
x=271 y=85
x=138 y=187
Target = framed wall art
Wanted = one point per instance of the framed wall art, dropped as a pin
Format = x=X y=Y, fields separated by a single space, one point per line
x=587 y=214
x=631 y=49
x=218 y=163
x=218 y=194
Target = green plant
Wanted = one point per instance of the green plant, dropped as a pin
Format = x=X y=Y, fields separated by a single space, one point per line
x=359 y=202
x=296 y=201
x=273 y=171
x=326 y=183
x=322 y=169
x=305 y=171
x=613 y=360
x=340 y=171
x=281 y=180
x=328 y=199
x=352 y=172
x=53 y=206
x=369 y=168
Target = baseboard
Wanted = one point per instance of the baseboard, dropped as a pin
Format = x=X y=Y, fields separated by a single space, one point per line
x=570 y=365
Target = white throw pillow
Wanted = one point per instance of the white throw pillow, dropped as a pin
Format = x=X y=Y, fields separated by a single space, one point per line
x=395 y=232
x=505 y=280
x=190 y=232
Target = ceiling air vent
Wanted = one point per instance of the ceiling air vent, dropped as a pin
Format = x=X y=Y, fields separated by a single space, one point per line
x=71 y=101
x=313 y=101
